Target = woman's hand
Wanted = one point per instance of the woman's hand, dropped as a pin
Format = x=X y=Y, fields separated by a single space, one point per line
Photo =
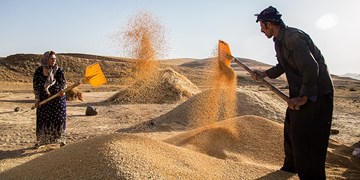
x=61 y=93
x=37 y=103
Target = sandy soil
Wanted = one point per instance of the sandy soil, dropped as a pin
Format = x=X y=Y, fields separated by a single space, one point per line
x=183 y=153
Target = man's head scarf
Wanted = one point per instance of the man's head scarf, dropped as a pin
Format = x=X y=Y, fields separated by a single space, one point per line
x=51 y=71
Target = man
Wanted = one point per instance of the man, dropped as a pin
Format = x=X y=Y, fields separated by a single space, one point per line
x=309 y=113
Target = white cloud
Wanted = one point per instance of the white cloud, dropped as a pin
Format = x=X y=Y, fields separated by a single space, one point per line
x=326 y=21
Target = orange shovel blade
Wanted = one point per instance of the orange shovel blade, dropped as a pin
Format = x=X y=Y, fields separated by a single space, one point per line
x=94 y=76
x=224 y=53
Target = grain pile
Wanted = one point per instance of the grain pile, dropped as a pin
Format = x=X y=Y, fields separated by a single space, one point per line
x=247 y=147
x=260 y=104
x=124 y=156
x=192 y=110
x=244 y=138
x=74 y=94
x=170 y=87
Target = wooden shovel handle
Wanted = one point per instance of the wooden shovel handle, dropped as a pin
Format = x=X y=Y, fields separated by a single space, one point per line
x=266 y=83
x=56 y=95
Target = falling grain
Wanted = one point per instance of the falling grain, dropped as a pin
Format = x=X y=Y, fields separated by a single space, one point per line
x=144 y=41
x=220 y=103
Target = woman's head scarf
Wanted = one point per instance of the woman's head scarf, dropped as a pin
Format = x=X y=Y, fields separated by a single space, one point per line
x=51 y=70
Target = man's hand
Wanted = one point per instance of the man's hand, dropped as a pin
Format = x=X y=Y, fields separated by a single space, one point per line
x=296 y=102
x=257 y=75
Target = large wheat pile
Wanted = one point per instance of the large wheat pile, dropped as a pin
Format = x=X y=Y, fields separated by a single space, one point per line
x=168 y=87
x=124 y=156
x=203 y=109
x=247 y=147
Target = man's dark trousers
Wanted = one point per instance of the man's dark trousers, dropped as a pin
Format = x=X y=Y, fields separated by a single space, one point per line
x=306 y=136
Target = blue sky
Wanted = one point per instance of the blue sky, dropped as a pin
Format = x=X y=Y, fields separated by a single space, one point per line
x=193 y=27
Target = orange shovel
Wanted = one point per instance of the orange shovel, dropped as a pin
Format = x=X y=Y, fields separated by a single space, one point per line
x=226 y=57
x=93 y=75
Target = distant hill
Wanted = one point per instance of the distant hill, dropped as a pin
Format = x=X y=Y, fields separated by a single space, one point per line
x=20 y=68
x=352 y=75
x=201 y=63
x=178 y=61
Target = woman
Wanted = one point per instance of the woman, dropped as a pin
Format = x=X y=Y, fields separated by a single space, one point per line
x=50 y=117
